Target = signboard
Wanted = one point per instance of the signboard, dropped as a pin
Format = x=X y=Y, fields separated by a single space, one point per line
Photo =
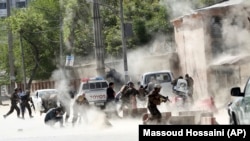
x=3 y=12
x=69 y=60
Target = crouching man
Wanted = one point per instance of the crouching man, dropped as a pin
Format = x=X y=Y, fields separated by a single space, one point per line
x=53 y=116
x=155 y=99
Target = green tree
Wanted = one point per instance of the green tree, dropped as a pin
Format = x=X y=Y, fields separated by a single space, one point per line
x=38 y=26
x=147 y=17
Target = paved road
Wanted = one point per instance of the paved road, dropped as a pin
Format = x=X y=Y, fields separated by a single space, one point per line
x=14 y=129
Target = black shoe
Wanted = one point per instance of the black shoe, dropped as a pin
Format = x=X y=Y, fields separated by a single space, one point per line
x=31 y=116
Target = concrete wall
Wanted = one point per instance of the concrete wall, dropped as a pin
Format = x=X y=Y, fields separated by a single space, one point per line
x=190 y=40
x=136 y=67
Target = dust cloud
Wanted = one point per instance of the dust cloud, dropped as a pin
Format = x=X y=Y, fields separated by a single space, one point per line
x=234 y=27
x=95 y=129
x=235 y=35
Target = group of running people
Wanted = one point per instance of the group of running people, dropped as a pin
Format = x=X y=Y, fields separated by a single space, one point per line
x=127 y=97
x=20 y=100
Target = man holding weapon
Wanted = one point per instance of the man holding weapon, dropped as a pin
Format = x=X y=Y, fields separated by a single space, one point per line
x=25 y=99
x=154 y=99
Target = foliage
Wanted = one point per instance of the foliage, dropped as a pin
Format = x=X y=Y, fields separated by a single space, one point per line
x=41 y=24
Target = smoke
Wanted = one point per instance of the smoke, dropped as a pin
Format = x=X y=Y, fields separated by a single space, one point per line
x=233 y=27
x=35 y=130
x=237 y=23
x=178 y=8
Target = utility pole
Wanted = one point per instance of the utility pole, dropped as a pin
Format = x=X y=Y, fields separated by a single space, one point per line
x=61 y=35
x=23 y=64
x=124 y=47
x=11 y=56
x=99 y=48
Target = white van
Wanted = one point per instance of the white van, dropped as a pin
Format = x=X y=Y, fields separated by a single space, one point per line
x=95 y=90
x=163 y=77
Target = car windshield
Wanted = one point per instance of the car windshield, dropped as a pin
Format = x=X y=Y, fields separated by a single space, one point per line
x=46 y=93
x=247 y=90
x=94 y=85
x=159 y=77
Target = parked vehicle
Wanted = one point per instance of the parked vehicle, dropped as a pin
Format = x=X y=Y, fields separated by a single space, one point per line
x=94 y=90
x=181 y=98
x=239 y=108
x=44 y=99
x=163 y=77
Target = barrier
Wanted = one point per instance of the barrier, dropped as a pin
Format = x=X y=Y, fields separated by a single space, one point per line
x=197 y=114
x=209 y=104
x=181 y=120
x=185 y=118
x=165 y=117
x=208 y=121
x=137 y=112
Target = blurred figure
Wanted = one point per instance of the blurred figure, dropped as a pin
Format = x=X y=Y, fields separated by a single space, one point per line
x=53 y=116
x=80 y=106
x=151 y=84
x=190 y=84
x=14 y=98
x=142 y=93
x=25 y=103
x=141 y=96
x=20 y=92
x=119 y=94
x=110 y=96
x=65 y=102
x=154 y=99
x=174 y=82
x=128 y=98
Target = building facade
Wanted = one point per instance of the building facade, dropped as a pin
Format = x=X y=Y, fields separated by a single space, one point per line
x=13 y=4
x=212 y=44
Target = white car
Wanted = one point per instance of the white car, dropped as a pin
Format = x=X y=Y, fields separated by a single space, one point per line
x=239 y=108
x=94 y=90
x=41 y=99
x=163 y=77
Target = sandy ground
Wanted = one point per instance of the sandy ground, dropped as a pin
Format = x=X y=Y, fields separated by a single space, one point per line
x=14 y=129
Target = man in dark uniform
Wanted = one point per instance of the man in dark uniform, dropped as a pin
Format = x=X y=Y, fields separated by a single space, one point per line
x=110 y=95
x=190 y=83
x=129 y=97
x=25 y=99
x=54 y=115
x=14 y=101
x=154 y=99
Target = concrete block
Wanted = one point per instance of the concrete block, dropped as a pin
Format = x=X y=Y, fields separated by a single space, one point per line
x=138 y=112
x=181 y=120
x=197 y=115
x=166 y=115
x=208 y=120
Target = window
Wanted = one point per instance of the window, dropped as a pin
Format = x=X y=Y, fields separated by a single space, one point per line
x=20 y=4
x=98 y=85
x=247 y=90
x=217 y=47
x=216 y=27
x=104 y=85
x=85 y=86
x=3 y=5
x=159 y=77
x=92 y=86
